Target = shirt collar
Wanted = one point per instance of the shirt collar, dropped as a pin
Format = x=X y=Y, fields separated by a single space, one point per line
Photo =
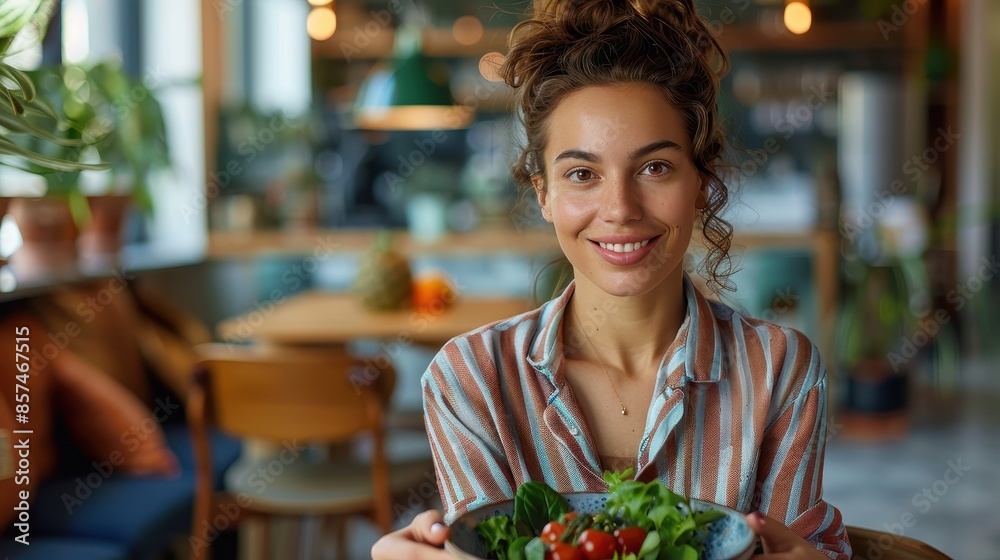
x=699 y=337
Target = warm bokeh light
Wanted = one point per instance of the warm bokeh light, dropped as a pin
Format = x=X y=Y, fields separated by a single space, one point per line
x=321 y=23
x=467 y=30
x=489 y=66
x=798 y=17
x=319 y=2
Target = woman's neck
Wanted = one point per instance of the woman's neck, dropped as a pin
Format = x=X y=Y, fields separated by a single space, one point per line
x=630 y=334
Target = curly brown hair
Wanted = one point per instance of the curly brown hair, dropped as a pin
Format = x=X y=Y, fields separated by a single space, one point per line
x=571 y=44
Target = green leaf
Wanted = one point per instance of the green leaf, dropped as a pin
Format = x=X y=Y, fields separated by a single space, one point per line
x=650 y=547
x=7 y=147
x=516 y=549
x=678 y=553
x=15 y=14
x=535 y=550
x=497 y=534
x=15 y=105
x=536 y=503
x=21 y=79
x=614 y=479
x=22 y=125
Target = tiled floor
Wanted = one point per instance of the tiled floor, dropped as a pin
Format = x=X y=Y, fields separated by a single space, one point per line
x=882 y=486
x=941 y=480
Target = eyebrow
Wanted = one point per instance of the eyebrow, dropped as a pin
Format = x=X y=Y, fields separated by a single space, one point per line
x=643 y=151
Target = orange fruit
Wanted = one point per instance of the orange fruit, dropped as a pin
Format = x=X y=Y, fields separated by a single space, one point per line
x=432 y=293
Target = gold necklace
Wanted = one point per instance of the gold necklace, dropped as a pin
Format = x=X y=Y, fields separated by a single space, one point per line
x=606 y=374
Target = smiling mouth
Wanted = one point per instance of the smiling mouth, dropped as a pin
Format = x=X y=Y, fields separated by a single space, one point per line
x=625 y=247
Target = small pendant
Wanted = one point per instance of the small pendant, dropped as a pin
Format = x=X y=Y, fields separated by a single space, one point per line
x=623 y=409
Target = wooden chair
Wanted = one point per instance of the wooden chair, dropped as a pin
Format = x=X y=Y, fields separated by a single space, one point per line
x=869 y=544
x=291 y=397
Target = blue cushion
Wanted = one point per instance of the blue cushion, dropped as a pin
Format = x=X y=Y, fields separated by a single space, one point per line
x=145 y=514
x=63 y=549
x=225 y=450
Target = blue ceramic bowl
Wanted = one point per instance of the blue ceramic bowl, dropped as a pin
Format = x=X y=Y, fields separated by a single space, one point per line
x=728 y=538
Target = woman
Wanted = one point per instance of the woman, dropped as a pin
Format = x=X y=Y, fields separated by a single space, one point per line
x=630 y=365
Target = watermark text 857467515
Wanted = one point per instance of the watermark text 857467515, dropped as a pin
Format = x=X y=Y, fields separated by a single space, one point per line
x=22 y=437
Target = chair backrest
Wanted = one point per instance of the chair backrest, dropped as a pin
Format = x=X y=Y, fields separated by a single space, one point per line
x=310 y=394
x=869 y=544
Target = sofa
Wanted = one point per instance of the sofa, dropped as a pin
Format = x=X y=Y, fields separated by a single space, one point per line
x=110 y=471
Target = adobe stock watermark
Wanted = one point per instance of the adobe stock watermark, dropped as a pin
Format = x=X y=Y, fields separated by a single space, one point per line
x=923 y=501
x=899 y=16
x=418 y=500
x=930 y=326
x=363 y=36
x=86 y=311
x=795 y=118
x=130 y=441
x=864 y=218
x=371 y=367
x=291 y=279
x=249 y=147
x=229 y=513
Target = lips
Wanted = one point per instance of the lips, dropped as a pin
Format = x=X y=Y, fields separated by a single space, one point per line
x=624 y=250
x=623 y=247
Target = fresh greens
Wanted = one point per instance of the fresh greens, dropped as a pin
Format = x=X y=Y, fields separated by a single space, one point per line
x=656 y=509
x=498 y=534
x=666 y=519
x=536 y=503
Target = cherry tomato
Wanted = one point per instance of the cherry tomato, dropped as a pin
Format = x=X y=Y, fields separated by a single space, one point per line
x=553 y=531
x=562 y=551
x=629 y=539
x=567 y=517
x=597 y=545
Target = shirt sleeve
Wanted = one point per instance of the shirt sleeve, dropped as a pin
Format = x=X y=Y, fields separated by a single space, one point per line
x=789 y=486
x=461 y=420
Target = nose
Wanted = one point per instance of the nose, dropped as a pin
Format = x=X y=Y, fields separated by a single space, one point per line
x=620 y=201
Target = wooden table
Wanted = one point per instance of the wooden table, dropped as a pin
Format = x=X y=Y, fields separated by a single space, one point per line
x=329 y=318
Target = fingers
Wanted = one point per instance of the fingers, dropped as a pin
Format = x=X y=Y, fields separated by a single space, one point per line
x=395 y=546
x=429 y=527
x=421 y=540
x=775 y=537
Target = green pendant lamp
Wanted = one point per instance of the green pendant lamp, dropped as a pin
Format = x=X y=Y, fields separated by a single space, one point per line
x=408 y=93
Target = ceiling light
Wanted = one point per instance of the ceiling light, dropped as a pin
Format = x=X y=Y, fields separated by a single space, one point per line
x=798 y=17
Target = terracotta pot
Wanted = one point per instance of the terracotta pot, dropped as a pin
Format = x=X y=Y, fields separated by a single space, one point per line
x=48 y=235
x=103 y=233
x=4 y=203
x=877 y=403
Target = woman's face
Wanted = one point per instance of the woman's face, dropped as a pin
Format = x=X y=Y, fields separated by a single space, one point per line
x=620 y=186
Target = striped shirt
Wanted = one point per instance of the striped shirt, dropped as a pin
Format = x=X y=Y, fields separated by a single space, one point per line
x=738 y=417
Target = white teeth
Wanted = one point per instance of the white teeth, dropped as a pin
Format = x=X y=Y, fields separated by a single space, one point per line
x=623 y=248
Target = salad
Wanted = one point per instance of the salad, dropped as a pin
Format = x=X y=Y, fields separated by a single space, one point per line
x=640 y=521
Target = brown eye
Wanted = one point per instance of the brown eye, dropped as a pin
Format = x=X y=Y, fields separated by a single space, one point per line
x=581 y=175
x=657 y=168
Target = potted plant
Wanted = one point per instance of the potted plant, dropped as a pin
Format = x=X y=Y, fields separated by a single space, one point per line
x=127 y=118
x=36 y=137
x=888 y=333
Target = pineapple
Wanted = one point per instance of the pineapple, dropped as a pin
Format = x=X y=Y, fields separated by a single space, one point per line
x=384 y=281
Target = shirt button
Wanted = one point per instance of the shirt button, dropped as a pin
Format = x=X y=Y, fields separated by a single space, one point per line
x=573 y=430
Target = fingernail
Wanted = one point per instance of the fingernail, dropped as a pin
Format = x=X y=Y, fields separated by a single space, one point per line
x=759 y=517
x=438 y=527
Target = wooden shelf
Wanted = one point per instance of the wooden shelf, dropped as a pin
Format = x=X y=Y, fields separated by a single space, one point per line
x=493 y=240
x=350 y=44
x=833 y=36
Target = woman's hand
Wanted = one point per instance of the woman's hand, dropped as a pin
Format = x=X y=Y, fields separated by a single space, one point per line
x=780 y=543
x=421 y=540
